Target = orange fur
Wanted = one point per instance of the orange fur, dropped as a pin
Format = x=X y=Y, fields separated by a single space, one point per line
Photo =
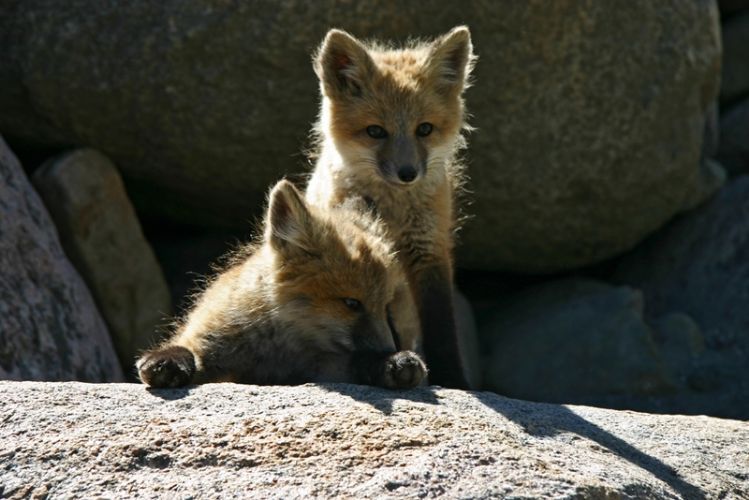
x=409 y=178
x=300 y=305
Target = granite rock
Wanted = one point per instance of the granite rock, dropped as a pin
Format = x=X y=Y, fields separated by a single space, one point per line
x=100 y=232
x=590 y=119
x=68 y=440
x=50 y=328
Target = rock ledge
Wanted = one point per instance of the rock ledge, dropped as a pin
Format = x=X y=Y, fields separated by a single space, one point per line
x=77 y=440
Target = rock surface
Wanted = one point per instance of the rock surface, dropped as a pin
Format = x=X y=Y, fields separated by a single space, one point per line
x=572 y=341
x=590 y=119
x=102 y=236
x=465 y=324
x=224 y=440
x=735 y=81
x=733 y=152
x=699 y=265
x=50 y=328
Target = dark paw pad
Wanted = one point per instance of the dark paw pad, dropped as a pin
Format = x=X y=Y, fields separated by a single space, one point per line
x=404 y=370
x=169 y=367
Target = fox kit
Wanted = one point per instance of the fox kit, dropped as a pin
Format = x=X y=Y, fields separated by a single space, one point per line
x=315 y=301
x=389 y=131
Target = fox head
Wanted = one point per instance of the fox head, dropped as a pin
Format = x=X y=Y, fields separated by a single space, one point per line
x=333 y=280
x=393 y=114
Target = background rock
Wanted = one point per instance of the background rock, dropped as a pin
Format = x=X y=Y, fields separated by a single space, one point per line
x=102 y=236
x=572 y=340
x=699 y=265
x=465 y=323
x=735 y=80
x=728 y=7
x=733 y=152
x=590 y=119
x=69 y=440
x=50 y=328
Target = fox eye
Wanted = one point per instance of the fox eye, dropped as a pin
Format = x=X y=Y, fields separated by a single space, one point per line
x=376 y=132
x=424 y=129
x=352 y=304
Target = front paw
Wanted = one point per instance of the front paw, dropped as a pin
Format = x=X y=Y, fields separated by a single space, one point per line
x=168 y=367
x=404 y=370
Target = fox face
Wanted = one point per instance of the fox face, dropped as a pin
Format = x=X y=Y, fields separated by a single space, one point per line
x=313 y=302
x=395 y=115
x=333 y=281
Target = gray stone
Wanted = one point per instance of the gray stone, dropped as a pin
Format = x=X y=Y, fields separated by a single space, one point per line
x=101 y=234
x=699 y=265
x=465 y=324
x=343 y=441
x=572 y=340
x=50 y=328
x=589 y=119
x=733 y=152
x=735 y=80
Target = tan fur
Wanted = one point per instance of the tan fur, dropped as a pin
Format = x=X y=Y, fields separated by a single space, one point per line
x=278 y=314
x=396 y=89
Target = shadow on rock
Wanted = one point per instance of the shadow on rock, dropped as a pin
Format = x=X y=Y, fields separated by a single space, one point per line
x=382 y=399
x=170 y=394
x=557 y=419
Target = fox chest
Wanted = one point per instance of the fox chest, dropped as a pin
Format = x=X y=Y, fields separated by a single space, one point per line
x=420 y=226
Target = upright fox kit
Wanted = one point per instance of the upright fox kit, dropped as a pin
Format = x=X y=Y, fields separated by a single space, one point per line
x=389 y=130
x=315 y=301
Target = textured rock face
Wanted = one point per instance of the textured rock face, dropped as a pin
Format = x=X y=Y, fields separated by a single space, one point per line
x=50 y=328
x=698 y=266
x=100 y=232
x=223 y=440
x=590 y=119
x=573 y=340
x=585 y=342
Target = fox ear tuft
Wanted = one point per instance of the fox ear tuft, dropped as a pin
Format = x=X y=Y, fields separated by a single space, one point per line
x=343 y=65
x=451 y=60
x=289 y=224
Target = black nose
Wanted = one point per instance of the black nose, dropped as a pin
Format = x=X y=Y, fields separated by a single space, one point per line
x=407 y=173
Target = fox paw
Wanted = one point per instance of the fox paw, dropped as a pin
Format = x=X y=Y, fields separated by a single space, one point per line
x=404 y=370
x=169 y=367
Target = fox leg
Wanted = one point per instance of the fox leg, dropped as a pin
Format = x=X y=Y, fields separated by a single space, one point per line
x=434 y=292
x=168 y=366
x=398 y=370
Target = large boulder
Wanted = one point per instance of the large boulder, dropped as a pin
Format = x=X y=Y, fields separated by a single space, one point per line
x=580 y=341
x=589 y=118
x=50 y=328
x=698 y=266
x=572 y=341
x=334 y=441
x=100 y=232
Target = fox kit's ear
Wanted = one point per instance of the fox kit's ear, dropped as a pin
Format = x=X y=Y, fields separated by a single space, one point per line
x=450 y=61
x=343 y=65
x=289 y=224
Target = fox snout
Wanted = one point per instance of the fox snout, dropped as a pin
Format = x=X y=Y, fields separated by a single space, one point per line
x=401 y=174
x=401 y=160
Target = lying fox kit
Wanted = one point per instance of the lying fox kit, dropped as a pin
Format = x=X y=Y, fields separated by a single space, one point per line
x=320 y=299
x=389 y=131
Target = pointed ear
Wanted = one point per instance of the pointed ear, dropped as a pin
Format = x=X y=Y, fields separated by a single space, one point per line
x=450 y=61
x=343 y=65
x=288 y=224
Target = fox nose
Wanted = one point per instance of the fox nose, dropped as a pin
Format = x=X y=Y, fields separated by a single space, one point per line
x=407 y=173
